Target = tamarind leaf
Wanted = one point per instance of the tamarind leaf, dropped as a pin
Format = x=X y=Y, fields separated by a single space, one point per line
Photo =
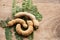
x=7 y=20
x=18 y=9
x=29 y=7
x=13 y=12
x=13 y=3
x=2 y=24
x=8 y=32
x=35 y=12
x=13 y=8
x=18 y=37
x=26 y=5
x=30 y=37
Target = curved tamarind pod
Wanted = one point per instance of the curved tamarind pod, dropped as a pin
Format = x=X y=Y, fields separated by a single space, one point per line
x=31 y=16
x=20 y=21
x=26 y=32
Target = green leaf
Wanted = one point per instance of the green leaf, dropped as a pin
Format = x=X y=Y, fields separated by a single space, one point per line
x=29 y=7
x=7 y=20
x=8 y=33
x=35 y=12
x=13 y=3
x=13 y=8
x=2 y=23
x=26 y=5
x=30 y=37
x=18 y=9
x=18 y=37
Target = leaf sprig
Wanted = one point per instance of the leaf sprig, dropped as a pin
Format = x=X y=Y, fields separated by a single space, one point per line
x=8 y=33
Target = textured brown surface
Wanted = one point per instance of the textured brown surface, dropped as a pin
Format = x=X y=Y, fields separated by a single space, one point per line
x=50 y=24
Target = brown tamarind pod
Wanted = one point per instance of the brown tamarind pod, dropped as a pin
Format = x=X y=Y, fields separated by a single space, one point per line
x=31 y=16
x=18 y=20
x=26 y=32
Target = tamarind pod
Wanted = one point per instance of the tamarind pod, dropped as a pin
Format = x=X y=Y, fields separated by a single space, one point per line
x=19 y=14
x=31 y=16
x=20 y=21
x=26 y=32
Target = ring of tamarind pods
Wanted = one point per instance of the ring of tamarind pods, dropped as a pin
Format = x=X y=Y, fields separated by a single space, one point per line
x=26 y=32
x=31 y=16
x=18 y=20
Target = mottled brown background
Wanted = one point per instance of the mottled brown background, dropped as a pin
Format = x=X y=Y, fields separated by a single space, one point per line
x=49 y=28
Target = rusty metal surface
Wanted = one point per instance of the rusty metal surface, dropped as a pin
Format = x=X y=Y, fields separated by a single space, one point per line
x=49 y=26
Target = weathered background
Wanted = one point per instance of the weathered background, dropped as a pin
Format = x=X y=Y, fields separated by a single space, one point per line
x=49 y=28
